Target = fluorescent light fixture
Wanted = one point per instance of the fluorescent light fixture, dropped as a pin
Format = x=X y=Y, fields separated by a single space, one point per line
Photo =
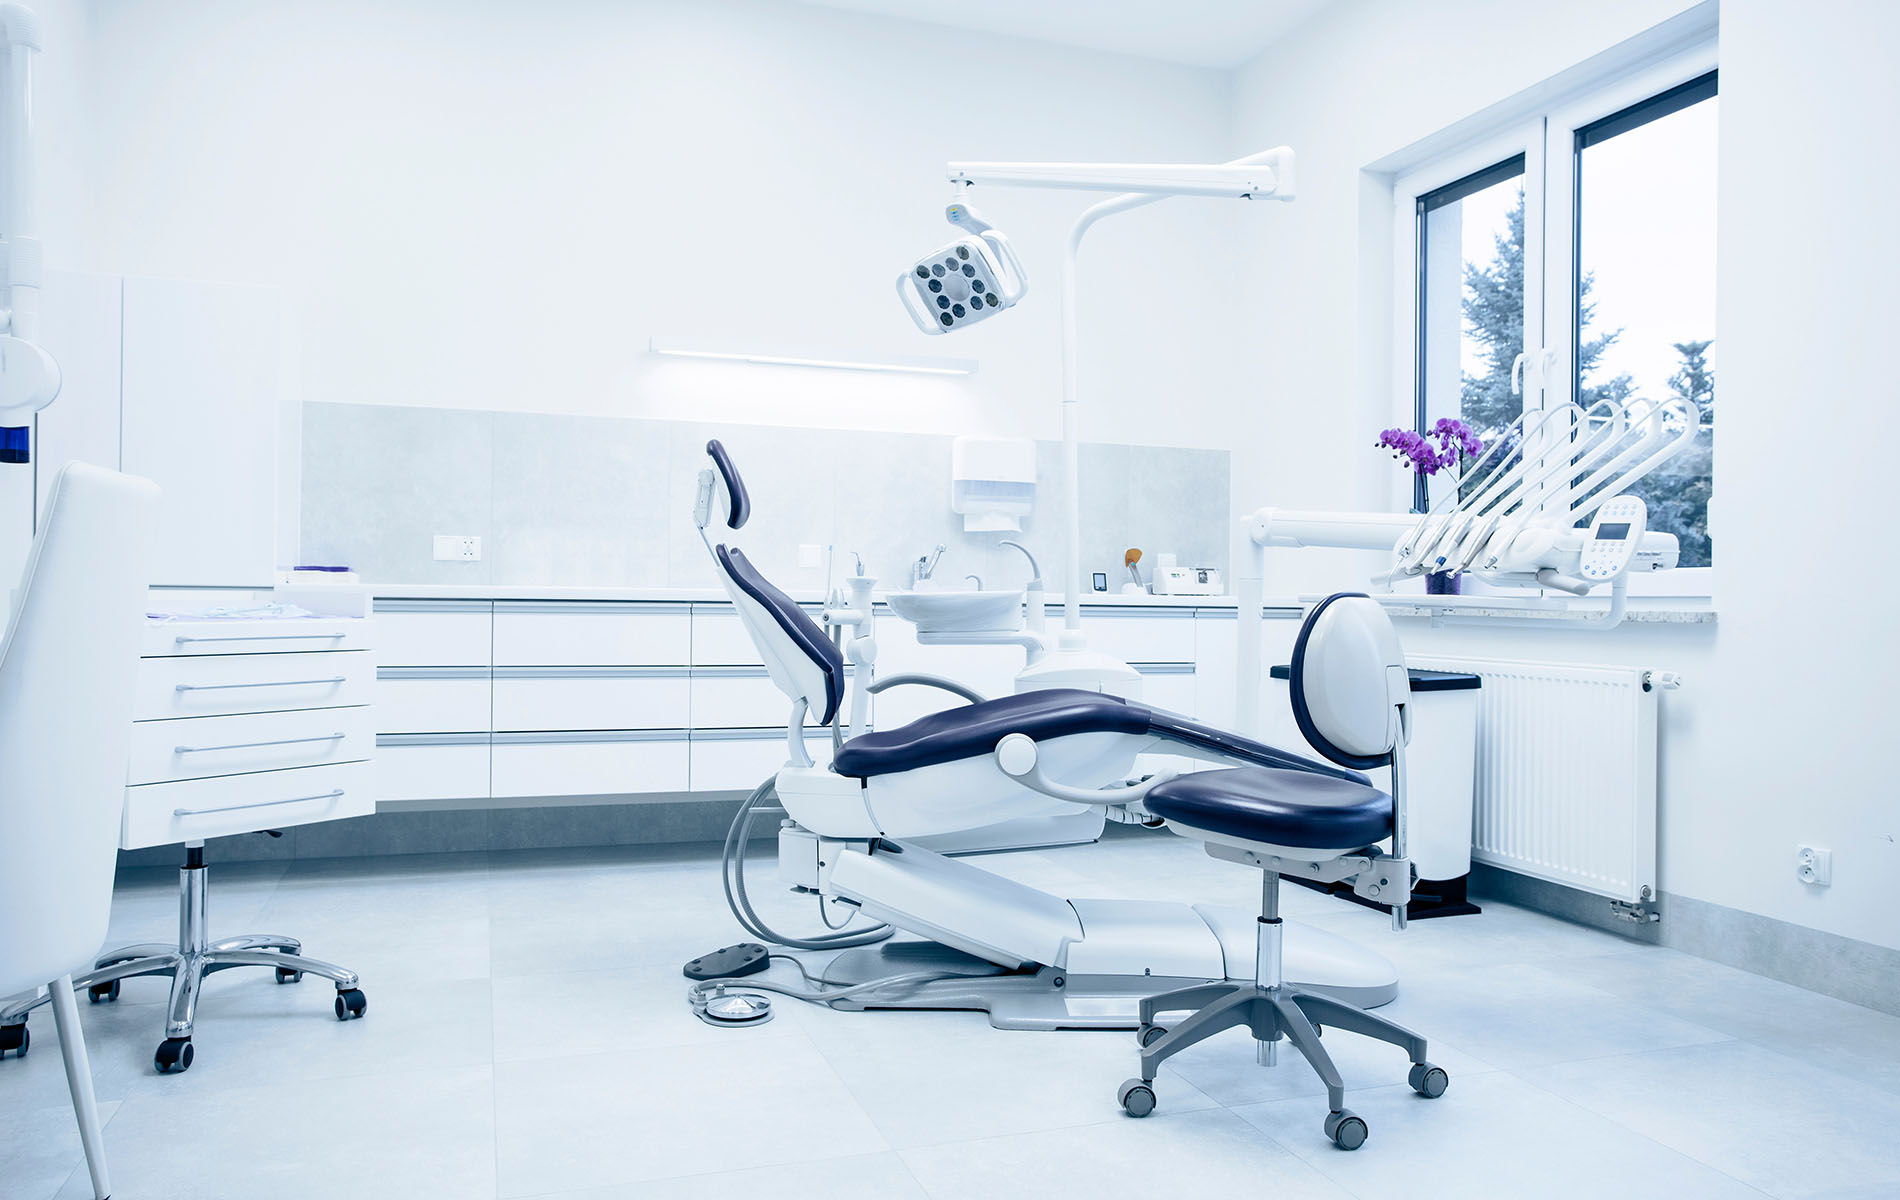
x=896 y=364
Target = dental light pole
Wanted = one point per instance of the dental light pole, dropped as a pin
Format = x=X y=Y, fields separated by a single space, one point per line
x=1269 y=173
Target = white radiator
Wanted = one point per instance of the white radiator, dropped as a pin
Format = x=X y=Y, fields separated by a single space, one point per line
x=1566 y=773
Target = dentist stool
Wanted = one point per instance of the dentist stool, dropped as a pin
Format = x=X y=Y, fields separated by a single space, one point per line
x=67 y=667
x=1351 y=698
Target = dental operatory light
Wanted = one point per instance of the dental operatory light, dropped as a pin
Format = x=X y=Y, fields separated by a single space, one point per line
x=969 y=280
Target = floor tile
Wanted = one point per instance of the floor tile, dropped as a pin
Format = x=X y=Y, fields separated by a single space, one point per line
x=384 y=1137
x=621 y=1009
x=1489 y=1135
x=933 y=1077
x=39 y=1147
x=860 y=1177
x=1789 y=1128
x=603 y=1119
x=1211 y=1153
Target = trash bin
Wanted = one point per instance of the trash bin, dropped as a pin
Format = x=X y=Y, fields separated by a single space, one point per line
x=1438 y=769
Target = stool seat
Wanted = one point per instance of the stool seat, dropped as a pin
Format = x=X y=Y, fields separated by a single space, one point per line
x=1277 y=807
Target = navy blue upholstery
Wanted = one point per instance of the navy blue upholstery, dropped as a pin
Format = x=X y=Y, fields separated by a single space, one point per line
x=738 y=504
x=1299 y=809
x=974 y=730
x=805 y=633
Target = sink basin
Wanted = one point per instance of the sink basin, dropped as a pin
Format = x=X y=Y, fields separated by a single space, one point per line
x=959 y=611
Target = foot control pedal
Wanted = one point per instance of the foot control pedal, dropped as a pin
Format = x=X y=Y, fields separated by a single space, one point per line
x=730 y=962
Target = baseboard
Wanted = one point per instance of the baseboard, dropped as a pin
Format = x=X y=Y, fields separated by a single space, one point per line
x=446 y=831
x=1858 y=972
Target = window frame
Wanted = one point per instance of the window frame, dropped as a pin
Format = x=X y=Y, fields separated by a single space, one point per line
x=1548 y=140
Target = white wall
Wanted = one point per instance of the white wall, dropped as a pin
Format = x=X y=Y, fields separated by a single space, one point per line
x=481 y=210
x=1779 y=736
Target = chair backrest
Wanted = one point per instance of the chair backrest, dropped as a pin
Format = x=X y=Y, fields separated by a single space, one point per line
x=68 y=666
x=804 y=663
x=1349 y=683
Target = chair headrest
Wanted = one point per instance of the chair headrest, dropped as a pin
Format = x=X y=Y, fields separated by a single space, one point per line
x=738 y=504
x=1348 y=675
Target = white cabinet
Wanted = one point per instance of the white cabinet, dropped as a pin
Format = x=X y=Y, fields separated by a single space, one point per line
x=586 y=764
x=449 y=766
x=433 y=699
x=188 y=384
x=555 y=698
x=578 y=634
x=435 y=633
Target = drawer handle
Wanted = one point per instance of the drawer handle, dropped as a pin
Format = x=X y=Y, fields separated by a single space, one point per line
x=182 y=640
x=335 y=737
x=219 y=687
x=199 y=812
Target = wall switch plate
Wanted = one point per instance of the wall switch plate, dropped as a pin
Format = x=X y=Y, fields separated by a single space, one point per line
x=1814 y=865
x=810 y=557
x=457 y=547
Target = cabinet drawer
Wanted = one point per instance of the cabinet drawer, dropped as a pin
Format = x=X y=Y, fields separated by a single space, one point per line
x=579 y=635
x=216 y=685
x=1168 y=686
x=163 y=751
x=1162 y=635
x=423 y=633
x=158 y=814
x=720 y=638
x=533 y=698
x=739 y=698
x=431 y=767
x=172 y=638
x=432 y=699
x=583 y=764
x=742 y=760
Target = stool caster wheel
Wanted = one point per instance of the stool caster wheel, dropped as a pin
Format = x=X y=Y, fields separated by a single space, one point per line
x=174 y=1055
x=1148 y=1035
x=1136 y=1098
x=1428 y=1081
x=1346 y=1128
x=286 y=975
x=15 y=1038
x=103 y=993
x=350 y=1002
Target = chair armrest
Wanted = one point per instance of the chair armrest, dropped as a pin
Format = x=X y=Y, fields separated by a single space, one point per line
x=1016 y=756
x=934 y=681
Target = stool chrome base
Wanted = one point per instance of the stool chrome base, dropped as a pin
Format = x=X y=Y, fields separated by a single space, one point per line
x=1272 y=1010
x=189 y=962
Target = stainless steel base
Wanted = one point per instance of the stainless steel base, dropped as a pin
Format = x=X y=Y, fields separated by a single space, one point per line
x=193 y=958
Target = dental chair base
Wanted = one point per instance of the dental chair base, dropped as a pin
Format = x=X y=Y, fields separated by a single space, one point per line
x=1032 y=960
x=194 y=957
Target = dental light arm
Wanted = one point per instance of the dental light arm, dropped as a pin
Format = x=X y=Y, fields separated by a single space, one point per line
x=29 y=378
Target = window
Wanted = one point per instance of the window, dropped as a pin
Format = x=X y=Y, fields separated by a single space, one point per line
x=1571 y=258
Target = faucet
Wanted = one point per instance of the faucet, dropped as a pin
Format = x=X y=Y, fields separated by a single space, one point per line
x=924 y=566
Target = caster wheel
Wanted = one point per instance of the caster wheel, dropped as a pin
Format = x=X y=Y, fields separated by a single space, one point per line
x=350 y=1002
x=103 y=993
x=15 y=1038
x=1428 y=1081
x=174 y=1055
x=1346 y=1128
x=286 y=975
x=1136 y=1098
x=1148 y=1035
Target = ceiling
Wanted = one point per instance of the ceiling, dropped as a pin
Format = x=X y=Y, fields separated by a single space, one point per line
x=1201 y=33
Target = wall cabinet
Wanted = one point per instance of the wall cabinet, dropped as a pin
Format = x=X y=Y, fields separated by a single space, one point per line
x=189 y=384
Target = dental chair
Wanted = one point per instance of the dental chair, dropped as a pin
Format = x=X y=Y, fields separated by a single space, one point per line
x=1029 y=959
x=1351 y=696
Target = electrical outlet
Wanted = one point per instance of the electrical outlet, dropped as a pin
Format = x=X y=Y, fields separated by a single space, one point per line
x=457 y=547
x=1814 y=865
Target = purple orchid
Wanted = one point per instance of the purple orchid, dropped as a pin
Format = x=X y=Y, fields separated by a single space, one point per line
x=1445 y=448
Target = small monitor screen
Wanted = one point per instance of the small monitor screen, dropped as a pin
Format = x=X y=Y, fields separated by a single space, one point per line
x=1607 y=532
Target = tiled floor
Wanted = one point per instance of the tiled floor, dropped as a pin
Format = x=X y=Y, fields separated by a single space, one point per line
x=527 y=1037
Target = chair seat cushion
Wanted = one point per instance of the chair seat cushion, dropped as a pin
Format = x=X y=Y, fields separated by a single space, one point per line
x=974 y=729
x=1297 y=809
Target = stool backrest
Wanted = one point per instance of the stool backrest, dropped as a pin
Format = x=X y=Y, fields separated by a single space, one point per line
x=68 y=667
x=1349 y=684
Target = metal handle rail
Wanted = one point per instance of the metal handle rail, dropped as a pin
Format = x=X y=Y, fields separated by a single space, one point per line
x=182 y=640
x=199 y=812
x=334 y=737
x=219 y=687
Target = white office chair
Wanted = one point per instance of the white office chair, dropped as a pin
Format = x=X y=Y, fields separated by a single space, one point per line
x=67 y=670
